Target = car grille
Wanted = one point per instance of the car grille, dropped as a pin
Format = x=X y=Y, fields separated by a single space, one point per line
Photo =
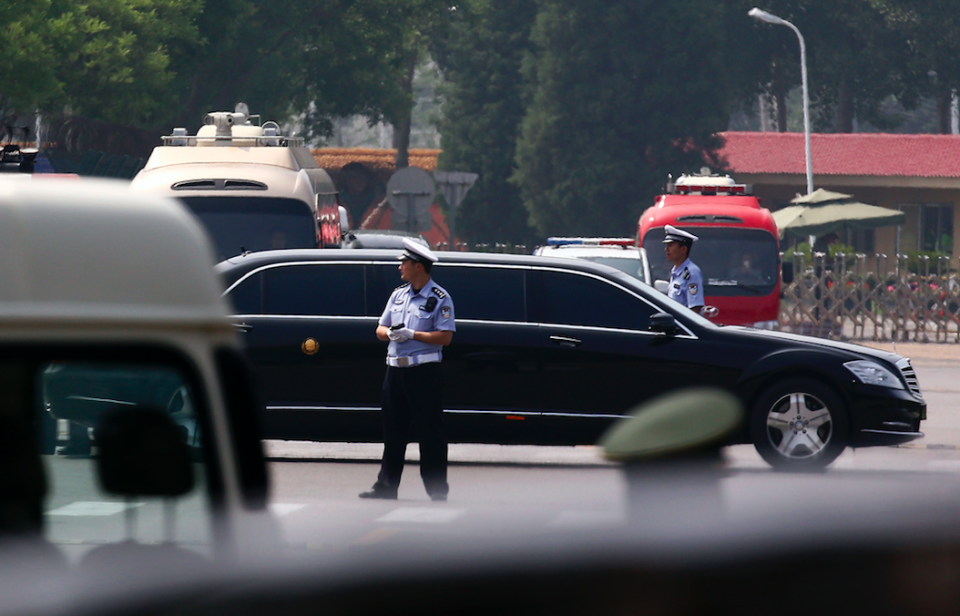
x=910 y=376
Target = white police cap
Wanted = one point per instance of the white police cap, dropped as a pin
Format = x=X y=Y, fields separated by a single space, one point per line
x=678 y=235
x=414 y=251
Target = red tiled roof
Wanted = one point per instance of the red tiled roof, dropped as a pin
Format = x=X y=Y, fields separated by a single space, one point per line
x=335 y=158
x=871 y=154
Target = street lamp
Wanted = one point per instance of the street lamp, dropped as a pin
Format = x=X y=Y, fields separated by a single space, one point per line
x=773 y=19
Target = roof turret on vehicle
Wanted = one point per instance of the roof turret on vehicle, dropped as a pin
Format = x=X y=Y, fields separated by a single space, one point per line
x=233 y=138
x=18 y=159
x=706 y=183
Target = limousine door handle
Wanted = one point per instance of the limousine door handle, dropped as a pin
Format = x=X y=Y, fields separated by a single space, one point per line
x=242 y=327
x=565 y=341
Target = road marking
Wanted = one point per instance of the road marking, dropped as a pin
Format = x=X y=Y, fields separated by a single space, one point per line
x=420 y=515
x=282 y=509
x=69 y=541
x=375 y=536
x=951 y=465
x=586 y=519
x=92 y=508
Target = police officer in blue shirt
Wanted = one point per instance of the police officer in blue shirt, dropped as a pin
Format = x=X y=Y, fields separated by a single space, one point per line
x=686 y=281
x=417 y=322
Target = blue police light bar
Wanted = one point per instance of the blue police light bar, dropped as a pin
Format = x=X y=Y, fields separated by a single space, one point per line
x=590 y=241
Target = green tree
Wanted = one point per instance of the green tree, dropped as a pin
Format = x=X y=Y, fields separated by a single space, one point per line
x=108 y=59
x=27 y=65
x=113 y=56
x=764 y=59
x=319 y=59
x=160 y=63
x=931 y=29
x=619 y=100
x=857 y=59
x=483 y=107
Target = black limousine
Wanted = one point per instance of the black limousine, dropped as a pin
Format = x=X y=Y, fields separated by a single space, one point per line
x=549 y=351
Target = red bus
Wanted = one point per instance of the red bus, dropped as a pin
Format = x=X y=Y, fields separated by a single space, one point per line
x=738 y=249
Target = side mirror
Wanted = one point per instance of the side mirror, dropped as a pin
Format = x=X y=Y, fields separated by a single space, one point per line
x=661 y=285
x=786 y=269
x=344 y=219
x=142 y=453
x=663 y=323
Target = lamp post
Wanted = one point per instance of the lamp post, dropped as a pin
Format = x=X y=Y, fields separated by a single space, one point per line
x=773 y=19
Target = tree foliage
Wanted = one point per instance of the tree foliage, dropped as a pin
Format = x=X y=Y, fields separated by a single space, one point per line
x=855 y=59
x=321 y=58
x=931 y=35
x=108 y=59
x=481 y=57
x=156 y=63
x=618 y=102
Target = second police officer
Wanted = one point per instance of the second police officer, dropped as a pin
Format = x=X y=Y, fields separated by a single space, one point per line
x=686 y=281
x=418 y=322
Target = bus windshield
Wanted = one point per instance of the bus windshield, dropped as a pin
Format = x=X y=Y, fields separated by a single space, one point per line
x=254 y=223
x=734 y=261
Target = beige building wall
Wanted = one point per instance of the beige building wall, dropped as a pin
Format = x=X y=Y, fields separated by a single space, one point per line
x=906 y=194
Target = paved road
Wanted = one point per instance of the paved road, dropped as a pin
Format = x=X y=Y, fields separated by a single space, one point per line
x=499 y=490
x=938 y=369
x=503 y=489
x=937 y=366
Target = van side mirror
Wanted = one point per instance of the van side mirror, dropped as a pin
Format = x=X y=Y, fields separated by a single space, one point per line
x=142 y=453
x=663 y=323
x=786 y=269
x=661 y=285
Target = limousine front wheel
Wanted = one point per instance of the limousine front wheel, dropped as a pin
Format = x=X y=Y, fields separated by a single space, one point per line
x=799 y=424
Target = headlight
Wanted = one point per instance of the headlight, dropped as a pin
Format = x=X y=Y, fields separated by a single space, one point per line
x=872 y=373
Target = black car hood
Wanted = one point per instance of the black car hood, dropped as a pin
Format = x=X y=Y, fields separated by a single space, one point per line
x=811 y=342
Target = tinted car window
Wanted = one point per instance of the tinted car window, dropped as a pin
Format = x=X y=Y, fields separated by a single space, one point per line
x=576 y=299
x=316 y=289
x=484 y=293
x=383 y=279
x=254 y=223
x=633 y=267
x=79 y=502
x=247 y=296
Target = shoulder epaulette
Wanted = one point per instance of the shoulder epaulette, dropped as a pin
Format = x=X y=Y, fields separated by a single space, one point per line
x=439 y=292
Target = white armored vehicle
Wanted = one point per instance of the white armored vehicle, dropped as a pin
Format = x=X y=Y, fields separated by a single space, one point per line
x=252 y=188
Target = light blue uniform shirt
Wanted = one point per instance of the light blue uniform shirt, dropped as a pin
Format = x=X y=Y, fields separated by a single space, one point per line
x=411 y=309
x=686 y=284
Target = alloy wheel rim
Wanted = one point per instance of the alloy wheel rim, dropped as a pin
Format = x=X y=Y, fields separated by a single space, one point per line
x=799 y=425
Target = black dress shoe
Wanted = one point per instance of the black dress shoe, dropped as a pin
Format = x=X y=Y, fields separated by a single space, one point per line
x=378 y=494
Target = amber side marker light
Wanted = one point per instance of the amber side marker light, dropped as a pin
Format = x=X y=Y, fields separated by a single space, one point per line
x=516 y=417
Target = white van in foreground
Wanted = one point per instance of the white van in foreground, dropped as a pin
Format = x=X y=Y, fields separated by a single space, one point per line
x=111 y=319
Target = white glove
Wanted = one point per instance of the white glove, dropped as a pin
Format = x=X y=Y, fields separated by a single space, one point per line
x=400 y=335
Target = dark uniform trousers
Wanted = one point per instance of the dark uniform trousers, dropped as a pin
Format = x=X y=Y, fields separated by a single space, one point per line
x=413 y=410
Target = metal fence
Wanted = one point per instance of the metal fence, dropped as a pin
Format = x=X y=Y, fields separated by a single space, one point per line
x=859 y=296
x=872 y=298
